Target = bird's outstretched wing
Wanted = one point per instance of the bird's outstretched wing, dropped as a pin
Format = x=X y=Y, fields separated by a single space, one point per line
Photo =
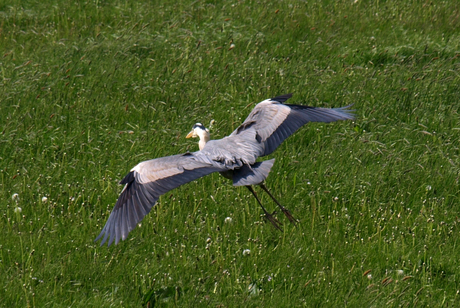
x=274 y=121
x=144 y=185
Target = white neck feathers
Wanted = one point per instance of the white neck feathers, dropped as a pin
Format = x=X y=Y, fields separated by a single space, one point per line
x=204 y=137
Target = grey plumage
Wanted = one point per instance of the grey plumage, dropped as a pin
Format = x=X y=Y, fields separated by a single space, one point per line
x=266 y=127
x=252 y=174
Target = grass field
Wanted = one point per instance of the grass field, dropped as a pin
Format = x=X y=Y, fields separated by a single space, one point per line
x=90 y=89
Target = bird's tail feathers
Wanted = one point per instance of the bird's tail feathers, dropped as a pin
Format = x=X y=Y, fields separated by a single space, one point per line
x=252 y=175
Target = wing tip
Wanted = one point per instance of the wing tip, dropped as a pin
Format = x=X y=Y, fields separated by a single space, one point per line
x=349 y=113
x=103 y=240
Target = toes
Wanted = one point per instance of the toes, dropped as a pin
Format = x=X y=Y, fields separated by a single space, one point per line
x=273 y=220
x=289 y=216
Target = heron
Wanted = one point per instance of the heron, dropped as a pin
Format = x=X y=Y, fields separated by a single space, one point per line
x=235 y=157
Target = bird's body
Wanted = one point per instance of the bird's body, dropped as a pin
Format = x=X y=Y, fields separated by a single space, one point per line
x=234 y=156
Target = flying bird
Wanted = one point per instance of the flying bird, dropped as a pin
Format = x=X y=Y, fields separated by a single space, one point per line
x=235 y=157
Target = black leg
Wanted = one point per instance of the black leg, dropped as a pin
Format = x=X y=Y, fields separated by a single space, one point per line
x=268 y=216
x=285 y=210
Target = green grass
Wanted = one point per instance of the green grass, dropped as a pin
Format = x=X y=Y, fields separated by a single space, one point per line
x=90 y=89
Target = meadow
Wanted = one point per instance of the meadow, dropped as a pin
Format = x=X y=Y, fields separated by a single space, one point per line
x=90 y=89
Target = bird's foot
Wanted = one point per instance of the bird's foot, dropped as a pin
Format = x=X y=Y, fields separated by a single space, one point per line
x=289 y=215
x=273 y=220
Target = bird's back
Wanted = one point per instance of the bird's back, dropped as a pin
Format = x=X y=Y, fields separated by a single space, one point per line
x=234 y=151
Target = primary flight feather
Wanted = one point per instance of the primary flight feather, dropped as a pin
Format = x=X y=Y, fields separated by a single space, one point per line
x=267 y=126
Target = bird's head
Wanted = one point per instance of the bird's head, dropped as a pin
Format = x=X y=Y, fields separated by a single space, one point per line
x=198 y=130
x=201 y=132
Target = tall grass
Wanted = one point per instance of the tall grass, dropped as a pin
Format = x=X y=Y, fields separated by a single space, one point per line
x=89 y=89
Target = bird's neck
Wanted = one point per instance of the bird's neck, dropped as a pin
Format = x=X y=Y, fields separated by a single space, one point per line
x=205 y=137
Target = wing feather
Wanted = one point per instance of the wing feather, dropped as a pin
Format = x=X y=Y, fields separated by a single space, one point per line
x=282 y=98
x=130 y=219
x=274 y=121
x=145 y=184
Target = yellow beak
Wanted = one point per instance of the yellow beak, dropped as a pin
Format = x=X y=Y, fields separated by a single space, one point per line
x=190 y=135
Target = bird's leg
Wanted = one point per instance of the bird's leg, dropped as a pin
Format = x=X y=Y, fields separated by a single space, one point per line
x=268 y=216
x=285 y=210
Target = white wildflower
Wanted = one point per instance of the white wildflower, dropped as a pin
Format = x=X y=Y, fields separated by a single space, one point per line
x=44 y=199
x=246 y=252
x=15 y=197
x=228 y=220
x=17 y=210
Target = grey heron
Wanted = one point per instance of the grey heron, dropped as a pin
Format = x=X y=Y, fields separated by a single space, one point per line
x=267 y=126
